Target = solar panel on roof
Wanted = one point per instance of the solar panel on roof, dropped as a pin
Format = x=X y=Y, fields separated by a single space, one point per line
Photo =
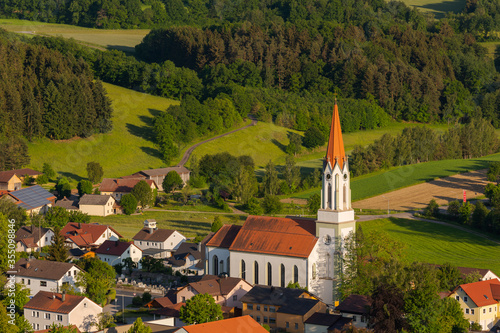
x=32 y=197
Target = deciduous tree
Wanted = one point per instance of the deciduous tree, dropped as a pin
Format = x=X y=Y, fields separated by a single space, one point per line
x=96 y=279
x=201 y=308
x=172 y=181
x=84 y=187
x=143 y=193
x=128 y=203
x=94 y=172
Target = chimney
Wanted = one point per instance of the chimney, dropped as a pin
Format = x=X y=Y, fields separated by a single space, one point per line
x=79 y=225
x=63 y=295
x=28 y=265
x=53 y=296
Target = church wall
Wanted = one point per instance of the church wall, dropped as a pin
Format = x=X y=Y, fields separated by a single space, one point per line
x=222 y=254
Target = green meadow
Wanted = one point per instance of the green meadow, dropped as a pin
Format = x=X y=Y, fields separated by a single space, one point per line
x=120 y=39
x=128 y=148
x=439 y=244
x=438 y=8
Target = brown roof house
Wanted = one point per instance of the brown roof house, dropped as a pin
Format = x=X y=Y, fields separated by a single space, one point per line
x=226 y=291
x=87 y=236
x=321 y=322
x=115 y=252
x=47 y=308
x=158 y=175
x=118 y=187
x=68 y=204
x=281 y=308
x=356 y=307
x=158 y=243
x=9 y=181
x=97 y=205
x=30 y=238
x=231 y=325
x=44 y=275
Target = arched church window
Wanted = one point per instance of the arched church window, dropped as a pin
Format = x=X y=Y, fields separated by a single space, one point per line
x=215 y=265
x=221 y=266
x=269 y=274
x=282 y=273
x=256 y=272
x=243 y=272
x=295 y=274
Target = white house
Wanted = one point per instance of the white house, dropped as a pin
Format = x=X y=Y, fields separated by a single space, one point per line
x=276 y=251
x=157 y=242
x=115 y=252
x=30 y=238
x=44 y=275
x=88 y=235
x=97 y=205
x=47 y=308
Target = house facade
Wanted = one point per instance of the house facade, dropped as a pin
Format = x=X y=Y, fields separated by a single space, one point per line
x=9 y=181
x=158 y=241
x=480 y=302
x=44 y=275
x=30 y=238
x=225 y=291
x=47 y=308
x=87 y=236
x=97 y=205
x=158 y=175
x=356 y=307
x=118 y=187
x=276 y=251
x=115 y=252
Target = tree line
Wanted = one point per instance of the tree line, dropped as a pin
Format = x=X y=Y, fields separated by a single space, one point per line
x=423 y=144
x=46 y=94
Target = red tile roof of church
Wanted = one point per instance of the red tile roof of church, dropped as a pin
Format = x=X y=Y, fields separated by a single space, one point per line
x=335 y=151
x=276 y=235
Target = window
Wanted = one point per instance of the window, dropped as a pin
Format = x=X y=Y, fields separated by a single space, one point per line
x=103 y=235
x=59 y=318
x=256 y=272
x=74 y=273
x=269 y=274
x=296 y=326
x=140 y=242
x=221 y=266
x=249 y=306
x=69 y=273
x=22 y=281
x=183 y=299
x=47 y=316
x=258 y=319
x=295 y=274
x=472 y=311
x=457 y=298
x=287 y=325
x=235 y=297
x=272 y=309
x=490 y=309
x=258 y=307
x=354 y=319
x=265 y=308
x=84 y=305
x=282 y=276
x=46 y=238
x=466 y=298
x=265 y=320
x=216 y=265
x=484 y=310
x=272 y=320
x=466 y=311
x=243 y=272
x=47 y=327
x=43 y=283
x=29 y=281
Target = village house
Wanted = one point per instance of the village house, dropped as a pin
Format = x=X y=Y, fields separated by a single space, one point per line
x=9 y=181
x=34 y=199
x=188 y=259
x=88 y=236
x=97 y=205
x=44 y=275
x=118 y=187
x=32 y=239
x=158 y=175
x=116 y=252
x=158 y=243
x=356 y=307
x=326 y=323
x=47 y=308
x=231 y=325
x=226 y=291
x=68 y=204
x=281 y=308
x=480 y=302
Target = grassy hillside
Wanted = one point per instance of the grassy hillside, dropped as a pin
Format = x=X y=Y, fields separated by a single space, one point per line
x=438 y=8
x=128 y=148
x=438 y=244
x=123 y=40
x=398 y=177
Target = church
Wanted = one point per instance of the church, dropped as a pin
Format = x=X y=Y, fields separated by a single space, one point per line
x=275 y=251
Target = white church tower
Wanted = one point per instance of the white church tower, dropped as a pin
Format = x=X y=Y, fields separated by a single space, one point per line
x=336 y=216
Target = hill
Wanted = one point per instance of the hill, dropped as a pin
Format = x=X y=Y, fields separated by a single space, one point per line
x=125 y=150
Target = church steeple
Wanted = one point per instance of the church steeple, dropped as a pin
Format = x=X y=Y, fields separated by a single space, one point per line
x=335 y=151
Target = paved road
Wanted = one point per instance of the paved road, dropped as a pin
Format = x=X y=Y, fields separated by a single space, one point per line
x=188 y=152
x=122 y=296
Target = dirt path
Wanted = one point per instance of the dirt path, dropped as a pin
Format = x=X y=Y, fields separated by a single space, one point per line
x=418 y=196
x=188 y=152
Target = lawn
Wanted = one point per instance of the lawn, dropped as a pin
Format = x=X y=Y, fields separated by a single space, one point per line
x=188 y=224
x=437 y=8
x=120 y=39
x=438 y=244
x=398 y=177
x=128 y=148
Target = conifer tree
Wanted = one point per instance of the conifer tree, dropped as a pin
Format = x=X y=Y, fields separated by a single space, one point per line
x=57 y=250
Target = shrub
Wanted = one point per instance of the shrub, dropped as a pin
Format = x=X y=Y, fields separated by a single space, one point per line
x=432 y=209
x=146 y=297
x=137 y=301
x=453 y=208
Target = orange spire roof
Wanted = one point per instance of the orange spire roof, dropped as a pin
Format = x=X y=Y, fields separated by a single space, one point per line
x=335 y=151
